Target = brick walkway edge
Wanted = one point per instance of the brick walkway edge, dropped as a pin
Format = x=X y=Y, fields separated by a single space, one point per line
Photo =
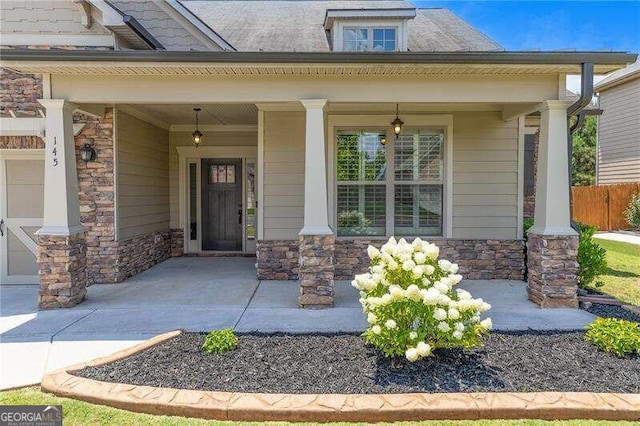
x=333 y=407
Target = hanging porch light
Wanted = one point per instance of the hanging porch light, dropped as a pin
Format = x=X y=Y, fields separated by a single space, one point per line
x=397 y=123
x=197 y=134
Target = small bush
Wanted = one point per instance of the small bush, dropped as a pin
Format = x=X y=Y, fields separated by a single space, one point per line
x=592 y=258
x=632 y=213
x=615 y=336
x=411 y=305
x=219 y=341
x=526 y=224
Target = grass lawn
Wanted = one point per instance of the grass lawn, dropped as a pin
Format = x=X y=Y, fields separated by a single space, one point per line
x=82 y=413
x=622 y=279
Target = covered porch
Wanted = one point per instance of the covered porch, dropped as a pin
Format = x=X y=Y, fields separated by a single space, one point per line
x=469 y=201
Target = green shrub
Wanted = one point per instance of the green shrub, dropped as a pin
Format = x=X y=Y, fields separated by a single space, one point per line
x=632 y=213
x=615 y=336
x=592 y=258
x=219 y=341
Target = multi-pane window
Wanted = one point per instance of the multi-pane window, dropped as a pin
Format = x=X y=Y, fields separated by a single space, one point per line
x=370 y=39
x=361 y=192
x=396 y=190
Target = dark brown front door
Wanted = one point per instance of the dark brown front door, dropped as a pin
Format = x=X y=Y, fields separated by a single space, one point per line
x=222 y=204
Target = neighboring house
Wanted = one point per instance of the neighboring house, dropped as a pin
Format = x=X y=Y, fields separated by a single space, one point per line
x=618 y=156
x=299 y=161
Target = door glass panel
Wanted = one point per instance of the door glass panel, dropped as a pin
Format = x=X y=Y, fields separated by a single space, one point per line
x=193 y=203
x=251 y=202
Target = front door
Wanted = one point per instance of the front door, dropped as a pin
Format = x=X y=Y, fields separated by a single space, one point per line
x=222 y=204
x=21 y=215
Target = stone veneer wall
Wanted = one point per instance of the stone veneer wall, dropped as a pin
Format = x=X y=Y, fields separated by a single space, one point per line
x=63 y=275
x=552 y=267
x=21 y=142
x=97 y=195
x=478 y=259
x=20 y=93
x=316 y=271
x=277 y=259
x=177 y=242
x=141 y=253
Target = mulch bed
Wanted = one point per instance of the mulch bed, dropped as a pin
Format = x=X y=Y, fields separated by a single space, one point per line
x=612 y=311
x=509 y=362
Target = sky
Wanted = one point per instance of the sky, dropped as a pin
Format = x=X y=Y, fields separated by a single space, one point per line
x=552 y=25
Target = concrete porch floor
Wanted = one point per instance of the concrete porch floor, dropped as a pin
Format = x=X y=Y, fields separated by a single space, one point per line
x=203 y=294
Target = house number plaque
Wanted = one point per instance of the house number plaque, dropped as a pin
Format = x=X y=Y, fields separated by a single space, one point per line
x=55 y=152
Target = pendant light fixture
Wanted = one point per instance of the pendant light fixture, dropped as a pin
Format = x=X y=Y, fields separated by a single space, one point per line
x=397 y=123
x=197 y=134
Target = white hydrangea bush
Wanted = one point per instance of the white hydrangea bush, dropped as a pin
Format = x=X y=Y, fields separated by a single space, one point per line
x=411 y=305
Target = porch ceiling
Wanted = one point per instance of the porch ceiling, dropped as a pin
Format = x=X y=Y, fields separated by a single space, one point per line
x=211 y=114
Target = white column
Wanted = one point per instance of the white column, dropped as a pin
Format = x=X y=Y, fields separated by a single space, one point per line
x=316 y=217
x=552 y=213
x=61 y=209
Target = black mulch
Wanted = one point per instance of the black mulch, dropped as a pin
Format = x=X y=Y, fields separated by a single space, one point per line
x=612 y=311
x=509 y=362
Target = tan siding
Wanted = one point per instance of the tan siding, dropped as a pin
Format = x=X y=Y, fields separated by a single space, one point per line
x=143 y=177
x=44 y=17
x=619 y=134
x=485 y=176
x=283 y=174
x=217 y=138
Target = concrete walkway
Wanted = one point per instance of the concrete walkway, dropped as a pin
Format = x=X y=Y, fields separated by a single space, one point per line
x=619 y=236
x=203 y=294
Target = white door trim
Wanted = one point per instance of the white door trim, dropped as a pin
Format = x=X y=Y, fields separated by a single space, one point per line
x=15 y=223
x=190 y=154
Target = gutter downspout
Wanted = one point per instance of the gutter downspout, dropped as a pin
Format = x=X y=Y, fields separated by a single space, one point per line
x=586 y=95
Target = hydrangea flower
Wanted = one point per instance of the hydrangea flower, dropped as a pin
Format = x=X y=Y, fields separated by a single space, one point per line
x=408 y=295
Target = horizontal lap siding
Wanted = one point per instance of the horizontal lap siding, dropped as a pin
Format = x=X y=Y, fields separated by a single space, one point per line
x=485 y=176
x=284 y=134
x=619 y=134
x=143 y=177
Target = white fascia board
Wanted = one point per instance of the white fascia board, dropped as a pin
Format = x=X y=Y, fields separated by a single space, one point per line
x=22 y=126
x=351 y=14
x=197 y=24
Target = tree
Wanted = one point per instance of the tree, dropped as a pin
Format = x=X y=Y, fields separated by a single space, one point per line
x=584 y=153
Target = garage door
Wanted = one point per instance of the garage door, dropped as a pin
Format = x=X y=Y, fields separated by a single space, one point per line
x=21 y=212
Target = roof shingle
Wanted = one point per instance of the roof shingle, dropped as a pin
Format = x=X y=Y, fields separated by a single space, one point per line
x=297 y=25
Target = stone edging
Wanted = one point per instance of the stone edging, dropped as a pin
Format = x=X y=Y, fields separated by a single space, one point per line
x=323 y=408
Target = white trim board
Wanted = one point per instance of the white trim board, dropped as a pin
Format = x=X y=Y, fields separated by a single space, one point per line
x=22 y=126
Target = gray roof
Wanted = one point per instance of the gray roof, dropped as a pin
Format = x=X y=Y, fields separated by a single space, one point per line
x=617 y=77
x=297 y=25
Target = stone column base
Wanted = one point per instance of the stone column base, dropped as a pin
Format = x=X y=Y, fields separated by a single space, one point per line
x=62 y=263
x=316 y=271
x=552 y=262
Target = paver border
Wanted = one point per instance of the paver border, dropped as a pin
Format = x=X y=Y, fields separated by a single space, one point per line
x=334 y=407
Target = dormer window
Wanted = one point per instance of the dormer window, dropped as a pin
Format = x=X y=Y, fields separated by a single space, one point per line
x=372 y=39
x=368 y=30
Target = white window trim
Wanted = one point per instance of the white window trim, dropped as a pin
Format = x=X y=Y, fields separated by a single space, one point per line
x=401 y=27
x=380 y=122
x=370 y=30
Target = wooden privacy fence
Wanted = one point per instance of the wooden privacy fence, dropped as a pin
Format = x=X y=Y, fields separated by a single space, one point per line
x=602 y=205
